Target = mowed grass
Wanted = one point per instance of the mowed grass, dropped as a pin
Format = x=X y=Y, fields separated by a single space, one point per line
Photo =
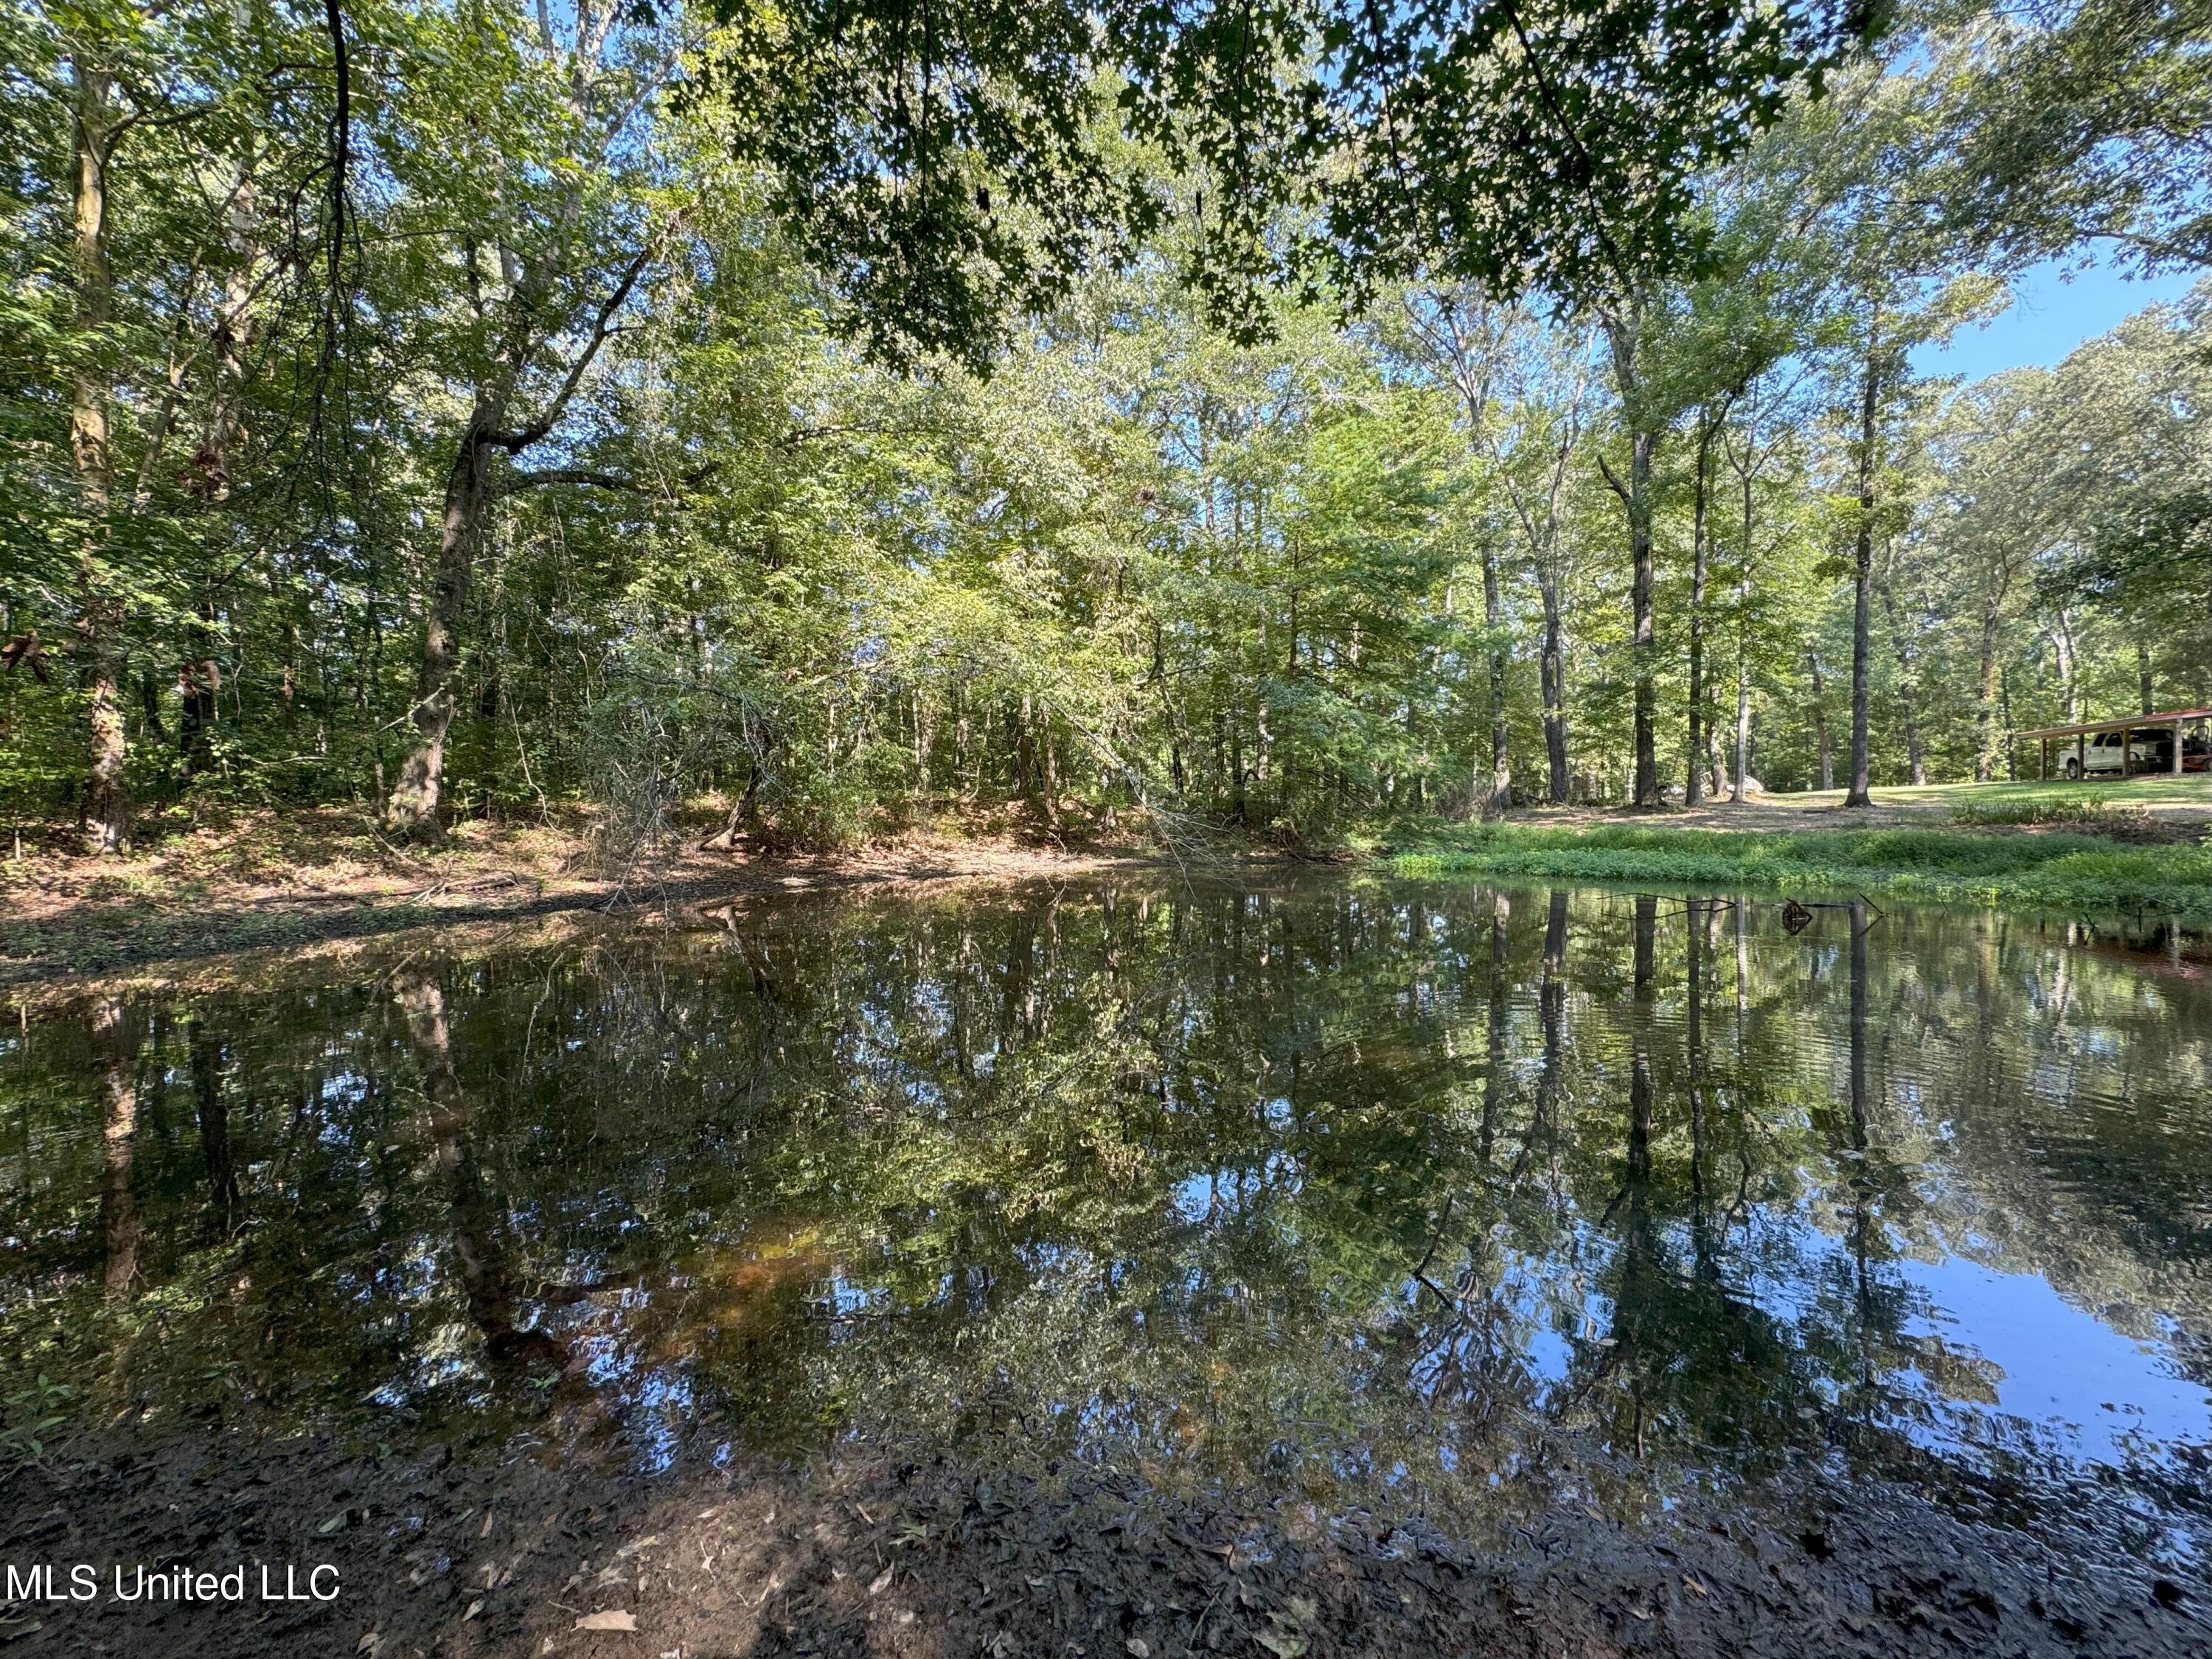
x=2161 y=795
x=2063 y=872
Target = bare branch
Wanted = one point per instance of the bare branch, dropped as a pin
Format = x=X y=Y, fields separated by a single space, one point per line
x=1611 y=478
x=568 y=475
x=603 y=329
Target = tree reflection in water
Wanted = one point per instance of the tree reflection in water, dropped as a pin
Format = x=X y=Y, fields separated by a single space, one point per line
x=1475 y=1198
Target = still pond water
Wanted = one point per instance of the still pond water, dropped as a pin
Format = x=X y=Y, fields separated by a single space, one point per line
x=1482 y=1198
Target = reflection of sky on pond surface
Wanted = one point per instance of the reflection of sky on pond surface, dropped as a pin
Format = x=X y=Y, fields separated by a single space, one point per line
x=1434 y=1188
x=2058 y=1365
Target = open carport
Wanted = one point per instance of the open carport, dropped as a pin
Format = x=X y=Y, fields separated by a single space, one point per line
x=2175 y=721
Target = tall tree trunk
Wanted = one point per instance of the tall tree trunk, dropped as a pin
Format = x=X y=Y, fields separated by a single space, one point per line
x=960 y=734
x=1693 y=791
x=1908 y=686
x=199 y=676
x=1915 y=759
x=2142 y=673
x=1621 y=331
x=412 y=806
x=1494 y=618
x=2004 y=701
x=1464 y=335
x=1553 y=676
x=1643 y=444
x=1985 y=708
x=1047 y=768
x=1863 y=568
x=1742 y=717
x=2070 y=663
x=106 y=803
x=199 y=688
x=1820 y=722
x=1238 y=806
x=1743 y=645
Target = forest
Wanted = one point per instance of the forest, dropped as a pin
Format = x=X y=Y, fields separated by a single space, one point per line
x=1263 y=422
x=895 y=828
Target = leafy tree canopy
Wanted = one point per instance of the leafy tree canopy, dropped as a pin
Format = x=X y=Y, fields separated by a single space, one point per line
x=953 y=164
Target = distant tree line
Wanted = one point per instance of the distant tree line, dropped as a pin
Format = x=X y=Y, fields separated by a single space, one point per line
x=1271 y=419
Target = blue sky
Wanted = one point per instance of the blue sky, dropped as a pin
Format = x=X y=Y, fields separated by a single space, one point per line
x=2050 y=316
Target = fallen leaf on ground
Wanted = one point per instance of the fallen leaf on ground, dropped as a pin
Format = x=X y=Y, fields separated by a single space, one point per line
x=613 y=1618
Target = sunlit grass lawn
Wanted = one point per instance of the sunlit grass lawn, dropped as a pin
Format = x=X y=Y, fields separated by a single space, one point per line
x=2191 y=792
x=2075 y=848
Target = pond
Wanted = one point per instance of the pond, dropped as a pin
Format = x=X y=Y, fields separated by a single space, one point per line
x=1411 y=1221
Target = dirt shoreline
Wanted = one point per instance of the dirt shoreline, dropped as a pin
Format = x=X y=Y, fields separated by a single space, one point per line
x=918 y=1554
x=894 y=1545
x=66 y=917
x=317 y=879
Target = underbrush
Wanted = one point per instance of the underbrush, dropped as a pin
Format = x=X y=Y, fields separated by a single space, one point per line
x=2096 y=813
x=2059 y=871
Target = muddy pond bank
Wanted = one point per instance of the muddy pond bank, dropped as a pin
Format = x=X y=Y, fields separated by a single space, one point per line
x=324 y=880
x=894 y=1556
x=1130 y=1266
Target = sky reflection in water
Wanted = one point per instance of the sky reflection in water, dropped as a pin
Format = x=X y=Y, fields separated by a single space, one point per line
x=1336 y=1186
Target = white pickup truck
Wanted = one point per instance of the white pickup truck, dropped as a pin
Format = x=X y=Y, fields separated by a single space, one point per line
x=2153 y=752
